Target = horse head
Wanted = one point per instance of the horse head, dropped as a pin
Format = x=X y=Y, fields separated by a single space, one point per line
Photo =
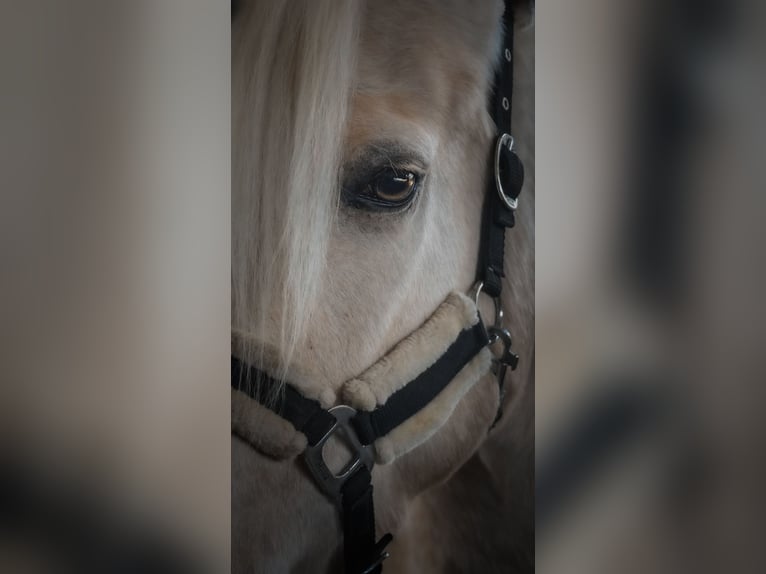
x=361 y=138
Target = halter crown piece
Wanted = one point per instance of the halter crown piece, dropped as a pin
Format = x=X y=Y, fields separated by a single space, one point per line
x=399 y=402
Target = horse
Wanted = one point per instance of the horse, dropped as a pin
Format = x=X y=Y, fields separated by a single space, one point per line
x=360 y=138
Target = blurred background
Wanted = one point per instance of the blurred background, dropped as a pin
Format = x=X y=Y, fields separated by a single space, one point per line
x=650 y=271
x=114 y=314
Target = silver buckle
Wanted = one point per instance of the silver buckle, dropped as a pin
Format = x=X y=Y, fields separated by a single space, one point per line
x=377 y=563
x=330 y=483
x=507 y=141
x=474 y=294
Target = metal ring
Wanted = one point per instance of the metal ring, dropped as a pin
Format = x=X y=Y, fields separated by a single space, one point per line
x=507 y=54
x=475 y=292
x=506 y=104
x=329 y=482
x=504 y=140
x=377 y=563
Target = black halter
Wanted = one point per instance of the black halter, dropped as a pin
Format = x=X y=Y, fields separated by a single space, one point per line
x=352 y=490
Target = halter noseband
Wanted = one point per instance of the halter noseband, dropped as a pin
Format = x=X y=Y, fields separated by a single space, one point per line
x=366 y=430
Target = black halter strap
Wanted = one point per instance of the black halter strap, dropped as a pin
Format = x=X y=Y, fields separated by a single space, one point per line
x=354 y=491
x=414 y=396
x=506 y=177
x=308 y=416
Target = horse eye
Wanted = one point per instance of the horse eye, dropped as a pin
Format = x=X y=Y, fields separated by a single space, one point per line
x=394 y=187
x=388 y=189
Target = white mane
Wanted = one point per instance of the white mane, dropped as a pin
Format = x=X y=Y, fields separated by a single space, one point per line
x=291 y=81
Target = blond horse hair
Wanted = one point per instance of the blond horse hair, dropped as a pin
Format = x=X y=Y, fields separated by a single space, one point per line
x=291 y=84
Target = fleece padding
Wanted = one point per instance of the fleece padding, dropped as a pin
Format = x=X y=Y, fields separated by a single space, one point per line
x=265 y=430
x=405 y=362
x=421 y=426
x=276 y=437
x=412 y=355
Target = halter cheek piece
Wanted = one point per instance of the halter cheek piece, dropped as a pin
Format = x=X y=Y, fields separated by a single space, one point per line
x=366 y=431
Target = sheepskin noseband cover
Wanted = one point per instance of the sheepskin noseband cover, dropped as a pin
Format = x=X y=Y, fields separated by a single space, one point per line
x=276 y=437
x=405 y=362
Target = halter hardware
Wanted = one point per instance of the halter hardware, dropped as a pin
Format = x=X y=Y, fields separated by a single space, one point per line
x=496 y=332
x=329 y=482
x=500 y=366
x=504 y=160
x=474 y=293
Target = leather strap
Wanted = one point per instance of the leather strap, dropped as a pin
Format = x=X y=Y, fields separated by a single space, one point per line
x=410 y=399
x=503 y=82
x=306 y=415
x=505 y=168
x=361 y=554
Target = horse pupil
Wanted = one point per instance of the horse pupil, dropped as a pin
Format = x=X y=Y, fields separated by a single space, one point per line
x=394 y=186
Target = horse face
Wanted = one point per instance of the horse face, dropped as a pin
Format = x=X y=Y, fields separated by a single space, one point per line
x=412 y=167
x=360 y=141
x=360 y=148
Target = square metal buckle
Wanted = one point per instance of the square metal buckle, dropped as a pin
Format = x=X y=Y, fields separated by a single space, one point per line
x=330 y=483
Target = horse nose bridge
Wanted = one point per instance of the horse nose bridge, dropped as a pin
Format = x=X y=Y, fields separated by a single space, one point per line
x=338 y=349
